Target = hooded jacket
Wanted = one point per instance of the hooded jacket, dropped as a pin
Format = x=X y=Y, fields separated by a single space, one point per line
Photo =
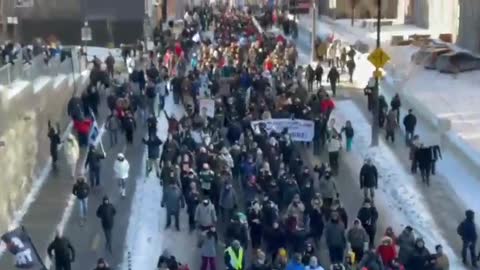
x=121 y=169
x=106 y=212
x=466 y=229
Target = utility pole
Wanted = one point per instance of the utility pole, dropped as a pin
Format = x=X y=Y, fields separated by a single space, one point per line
x=376 y=107
x=314 y=28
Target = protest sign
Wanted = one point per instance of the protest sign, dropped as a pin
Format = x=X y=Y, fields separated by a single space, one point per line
x=299 y=130
x=207 y=106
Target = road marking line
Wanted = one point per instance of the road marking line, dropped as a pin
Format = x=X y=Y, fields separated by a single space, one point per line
x=95 y=242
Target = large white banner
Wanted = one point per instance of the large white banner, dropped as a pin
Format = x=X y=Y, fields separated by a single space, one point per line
x=299 y=130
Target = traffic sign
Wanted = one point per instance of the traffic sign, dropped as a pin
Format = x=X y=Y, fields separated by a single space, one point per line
x=379 y=58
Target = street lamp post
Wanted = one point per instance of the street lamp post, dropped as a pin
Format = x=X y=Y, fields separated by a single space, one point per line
x=314 y=28
x=375 y=93
x=86 y=34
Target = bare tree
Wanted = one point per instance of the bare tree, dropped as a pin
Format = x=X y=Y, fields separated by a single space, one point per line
x=353 y=4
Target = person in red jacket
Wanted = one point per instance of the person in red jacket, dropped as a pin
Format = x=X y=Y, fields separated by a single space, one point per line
x=82 y=127
x=327 y=106
x=387 y=251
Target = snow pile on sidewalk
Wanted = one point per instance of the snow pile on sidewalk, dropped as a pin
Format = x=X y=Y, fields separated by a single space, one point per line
x=145 y=233
x=396 y=186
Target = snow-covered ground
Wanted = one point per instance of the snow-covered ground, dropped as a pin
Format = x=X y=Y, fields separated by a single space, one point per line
x=397 y=188
x=146 y=237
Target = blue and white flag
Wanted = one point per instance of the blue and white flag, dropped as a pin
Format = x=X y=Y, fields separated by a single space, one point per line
x=94 y=132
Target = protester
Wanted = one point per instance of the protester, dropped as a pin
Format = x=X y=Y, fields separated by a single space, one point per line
x=106 y=213
x=81 y=190
x=121 y=168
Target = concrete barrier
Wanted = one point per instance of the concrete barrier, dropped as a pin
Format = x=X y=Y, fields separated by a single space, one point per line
x=25 y=108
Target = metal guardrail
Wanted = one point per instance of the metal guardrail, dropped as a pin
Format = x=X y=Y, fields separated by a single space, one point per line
x=38 y=66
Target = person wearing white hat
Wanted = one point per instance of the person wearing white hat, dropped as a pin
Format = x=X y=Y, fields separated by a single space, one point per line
x=121 y=169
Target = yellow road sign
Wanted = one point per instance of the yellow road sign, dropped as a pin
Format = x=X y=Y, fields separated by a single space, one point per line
x=379 y=58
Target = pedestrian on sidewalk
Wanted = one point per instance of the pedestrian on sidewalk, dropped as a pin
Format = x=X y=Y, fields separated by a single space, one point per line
x=102 y=265
x=368 y=216
x=348 y=130
x=94 y=159
x=467 y=230
x=55 y=141
x=173 y=201
x=368 y=179
x=391 y=125
x=334 y=78
x=121 y=169
x=63 y=250
x=81 y=190
x=396 y=104
x=72 y=152
x=106 y=213
x=409 y=122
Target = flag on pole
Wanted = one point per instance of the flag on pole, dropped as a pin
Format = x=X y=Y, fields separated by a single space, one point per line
x=94 y=133
x=20 y=244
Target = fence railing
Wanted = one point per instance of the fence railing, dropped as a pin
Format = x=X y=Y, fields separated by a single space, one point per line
x=38 y=67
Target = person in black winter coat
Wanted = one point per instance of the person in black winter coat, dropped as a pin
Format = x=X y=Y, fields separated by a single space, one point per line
x=153 y=150
x=106 y=212
x=81 y=190
x=129 y=126
x=368 y=179
x=152 y=125
x=409 y=122
x=468 y=232
x=319 y=74
x=334 y=78
x=310 y=77
x=420 y=257
x=368 y=216
x=55 y=141
x=423 y=156
x=94 y=158
x=64 y=252
x=395 y=104
x=275 y=239
x=316 y=220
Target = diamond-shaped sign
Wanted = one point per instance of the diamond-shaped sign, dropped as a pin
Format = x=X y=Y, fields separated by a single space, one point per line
x=378 y=58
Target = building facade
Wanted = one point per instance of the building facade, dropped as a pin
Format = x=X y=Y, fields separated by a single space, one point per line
x=111 y=21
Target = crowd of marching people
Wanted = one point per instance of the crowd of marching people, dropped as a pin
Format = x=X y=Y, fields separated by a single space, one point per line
x=242 y=182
